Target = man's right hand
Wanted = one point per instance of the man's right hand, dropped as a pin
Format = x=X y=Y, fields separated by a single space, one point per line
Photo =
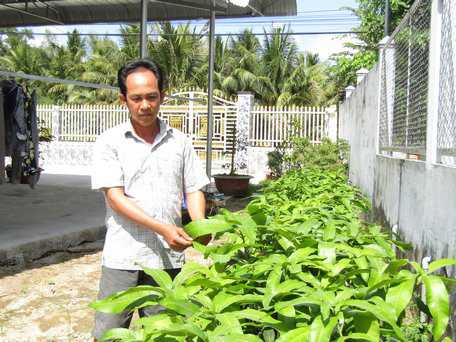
x=177 y=238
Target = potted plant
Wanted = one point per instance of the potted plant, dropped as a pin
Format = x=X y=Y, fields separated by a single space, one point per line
x=232 y=183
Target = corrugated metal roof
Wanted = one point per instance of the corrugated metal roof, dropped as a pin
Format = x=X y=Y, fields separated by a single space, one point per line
x=35 y=12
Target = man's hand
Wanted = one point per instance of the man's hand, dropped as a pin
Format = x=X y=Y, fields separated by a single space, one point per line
x=177 y=238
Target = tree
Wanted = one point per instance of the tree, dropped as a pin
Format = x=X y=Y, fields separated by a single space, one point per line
x=370 y=32
x=180 y=53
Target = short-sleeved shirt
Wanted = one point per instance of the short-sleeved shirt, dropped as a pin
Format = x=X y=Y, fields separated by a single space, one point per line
x=155 y=177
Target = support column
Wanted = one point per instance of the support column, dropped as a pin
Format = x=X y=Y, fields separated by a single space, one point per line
x=434 y=83
x=210 y=99
x=143 y=30
x=2 y=140
x=243 y=126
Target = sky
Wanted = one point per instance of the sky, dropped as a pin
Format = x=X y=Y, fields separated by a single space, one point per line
x=313 y=16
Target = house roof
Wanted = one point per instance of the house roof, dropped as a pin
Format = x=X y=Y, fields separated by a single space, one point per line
x=69 y=12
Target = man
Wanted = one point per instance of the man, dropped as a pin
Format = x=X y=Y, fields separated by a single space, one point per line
x=144 y=167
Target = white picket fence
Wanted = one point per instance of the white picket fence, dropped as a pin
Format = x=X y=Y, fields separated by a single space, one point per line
x=268 y=126
x=272 y=125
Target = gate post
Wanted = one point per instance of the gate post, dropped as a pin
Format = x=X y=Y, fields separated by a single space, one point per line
x=243 y=126
x=331 y=129
x=56 y=122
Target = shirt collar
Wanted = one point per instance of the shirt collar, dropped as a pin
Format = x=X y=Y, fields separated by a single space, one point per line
x=164 y=128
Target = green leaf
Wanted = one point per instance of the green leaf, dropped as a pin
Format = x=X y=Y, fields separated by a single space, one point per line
x=330 y=231
x=319 y=332
x=440 y=263
x=297 y=302
x=296 y=335
x=181 y=306
x=327 y=250
x=378 y=311
x=269 y=335
x=122 y=334
x=306 y=226
x=300 y=254
x=255 y=315
x=229 y=323
x=395 y=265
x=235 y=338
x=287 y=316
x=222 y=300
x=368 y=324
x=185 y=330
x=208 y=226
x=399 y=295
x=126 y=300
x=357 y=336
x=288 y=286
x=161 y=277
x=437 y=301
x=158 y=322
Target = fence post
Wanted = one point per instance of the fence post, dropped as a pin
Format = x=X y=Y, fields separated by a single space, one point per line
x=348 y=91
x=56 y=122
x=361 y=74
x=243 y=124
x=434 y=83
x=382 y=97
x=331 y=129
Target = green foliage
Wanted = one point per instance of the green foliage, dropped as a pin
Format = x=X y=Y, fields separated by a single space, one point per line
x=300 y=153
x=296 y=265
x=274 y=70
x=417 y=331
x=364 y=52
x=326 y=155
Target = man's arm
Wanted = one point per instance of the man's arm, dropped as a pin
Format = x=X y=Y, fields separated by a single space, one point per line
x=196 y=205
x=176 y=237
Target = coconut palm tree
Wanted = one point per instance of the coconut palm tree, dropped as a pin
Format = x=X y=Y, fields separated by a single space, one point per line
x=245 y=72
x=180 y=52
x=279 y=59
x=305 y=85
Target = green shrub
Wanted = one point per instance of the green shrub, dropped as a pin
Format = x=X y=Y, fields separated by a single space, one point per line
x=301 y=153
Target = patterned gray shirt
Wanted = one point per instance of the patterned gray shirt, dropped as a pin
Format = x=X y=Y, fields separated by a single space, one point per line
x=155 y=178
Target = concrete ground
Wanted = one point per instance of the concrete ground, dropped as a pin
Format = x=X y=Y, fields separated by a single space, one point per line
x=62 y=211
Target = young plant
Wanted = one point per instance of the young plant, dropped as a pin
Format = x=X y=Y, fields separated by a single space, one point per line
x=297 y=264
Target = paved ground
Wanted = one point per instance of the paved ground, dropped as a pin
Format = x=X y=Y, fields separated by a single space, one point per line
x=47 y=299
x=61 y=211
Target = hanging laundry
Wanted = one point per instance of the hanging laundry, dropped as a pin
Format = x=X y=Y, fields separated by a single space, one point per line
x=21 y=132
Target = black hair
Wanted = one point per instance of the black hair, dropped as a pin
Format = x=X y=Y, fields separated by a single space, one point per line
x=132 y=66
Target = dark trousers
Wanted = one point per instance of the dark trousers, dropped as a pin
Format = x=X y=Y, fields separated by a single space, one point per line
x=113 y=281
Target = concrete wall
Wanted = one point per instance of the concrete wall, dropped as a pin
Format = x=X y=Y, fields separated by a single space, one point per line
x=75 y=158
x=358 y=125
x=418 y=197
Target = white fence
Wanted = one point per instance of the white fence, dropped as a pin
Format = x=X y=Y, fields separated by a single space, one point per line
x=267 y=126
x=272 y=125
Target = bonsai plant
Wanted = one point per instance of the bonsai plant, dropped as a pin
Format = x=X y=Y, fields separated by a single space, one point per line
x=233 y=184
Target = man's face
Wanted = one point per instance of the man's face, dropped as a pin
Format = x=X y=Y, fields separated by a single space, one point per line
x=143 y=97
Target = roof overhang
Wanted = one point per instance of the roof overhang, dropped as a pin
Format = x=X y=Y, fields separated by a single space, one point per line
x=71 y=12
